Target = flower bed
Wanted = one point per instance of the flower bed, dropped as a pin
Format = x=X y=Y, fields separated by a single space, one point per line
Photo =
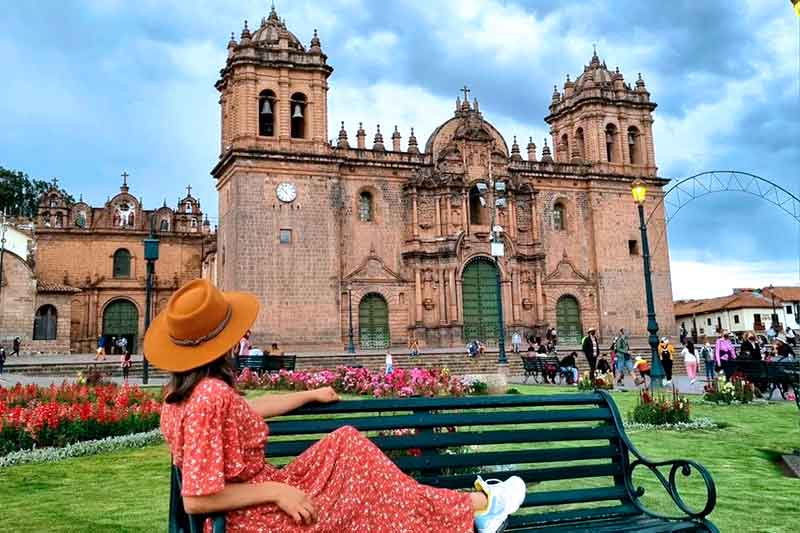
x=602 y=380
x=361 y=381
x=36 y=417
x=737 y=390
x=660 y=410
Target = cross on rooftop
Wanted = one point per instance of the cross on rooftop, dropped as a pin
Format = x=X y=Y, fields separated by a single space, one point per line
x=465 y=90
x=125 y=177
x=188 y=190
x=55 y=182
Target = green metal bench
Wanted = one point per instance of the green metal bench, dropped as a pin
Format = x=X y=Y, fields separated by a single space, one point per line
x=571 y=449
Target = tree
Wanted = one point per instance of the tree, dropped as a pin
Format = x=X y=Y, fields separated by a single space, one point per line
x=20 y=194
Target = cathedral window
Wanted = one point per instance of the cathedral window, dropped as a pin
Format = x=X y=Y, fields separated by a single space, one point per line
x=559 y=217
x=611 y=134
x=266 y=113
x=365 y=211
x=297 y=108
x=477 y=214
x=122 y=263
x=579 y=140
x=45 y=323
x=565 y=147
x=285 y=236
x=633 y=148
x=164 y=225
x=194 y=222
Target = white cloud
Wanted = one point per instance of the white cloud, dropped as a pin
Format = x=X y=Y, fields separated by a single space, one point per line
x=375 y=48
x=710 y=278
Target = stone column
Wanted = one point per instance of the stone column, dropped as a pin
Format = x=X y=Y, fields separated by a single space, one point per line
x=539 y=297
x=448 y=215
x=465 y=211
x=418 y=295
x=451 y=295
x=440 y=275
x=515 y=294
x=512 y=217
x=534 y=219
x=282 y=107
x=437 y=215
x=414 y=224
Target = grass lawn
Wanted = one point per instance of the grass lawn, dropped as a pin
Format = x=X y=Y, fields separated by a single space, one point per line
x=128 y=491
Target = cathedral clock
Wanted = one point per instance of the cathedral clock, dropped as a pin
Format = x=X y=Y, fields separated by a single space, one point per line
x=286 y=192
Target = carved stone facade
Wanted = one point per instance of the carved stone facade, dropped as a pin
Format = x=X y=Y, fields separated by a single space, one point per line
x=92 y=258
x=405 y=226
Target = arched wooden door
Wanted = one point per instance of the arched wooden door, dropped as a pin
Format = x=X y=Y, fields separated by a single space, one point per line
x=121 y=319
x=373 y=322
x=479 y=301
x=568 y=320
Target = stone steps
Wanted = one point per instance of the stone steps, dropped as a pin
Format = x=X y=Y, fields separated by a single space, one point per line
x=457 y=362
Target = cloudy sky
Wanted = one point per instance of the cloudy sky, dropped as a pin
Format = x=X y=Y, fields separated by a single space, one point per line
x=96 y=87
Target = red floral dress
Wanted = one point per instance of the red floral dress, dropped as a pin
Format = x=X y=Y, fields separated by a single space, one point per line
x=216 y=438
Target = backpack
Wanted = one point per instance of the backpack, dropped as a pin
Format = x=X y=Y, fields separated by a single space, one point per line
x=706 y=353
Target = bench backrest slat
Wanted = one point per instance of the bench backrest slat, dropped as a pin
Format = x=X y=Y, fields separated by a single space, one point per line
x=444 y=442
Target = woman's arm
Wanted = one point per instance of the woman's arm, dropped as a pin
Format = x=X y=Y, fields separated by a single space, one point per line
x=271 y=405
x=292 y=501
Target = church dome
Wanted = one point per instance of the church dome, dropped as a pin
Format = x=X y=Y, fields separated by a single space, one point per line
x=273 y=30
x=596 y=72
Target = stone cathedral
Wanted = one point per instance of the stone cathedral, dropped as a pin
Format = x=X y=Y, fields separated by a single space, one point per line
x=396 y=239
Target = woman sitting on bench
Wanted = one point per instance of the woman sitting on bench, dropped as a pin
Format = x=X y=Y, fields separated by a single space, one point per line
x=341 y=483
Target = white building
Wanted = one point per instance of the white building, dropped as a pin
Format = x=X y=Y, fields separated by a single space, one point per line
x=744 y=310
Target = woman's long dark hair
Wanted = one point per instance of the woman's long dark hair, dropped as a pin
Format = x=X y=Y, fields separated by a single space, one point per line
x=690 y=346
x=181 y=384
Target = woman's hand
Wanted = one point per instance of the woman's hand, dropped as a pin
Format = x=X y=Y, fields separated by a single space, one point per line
x=296 y=504
x=324 y=395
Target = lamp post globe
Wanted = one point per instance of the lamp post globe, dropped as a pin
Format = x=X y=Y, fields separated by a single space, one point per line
x=639 y=193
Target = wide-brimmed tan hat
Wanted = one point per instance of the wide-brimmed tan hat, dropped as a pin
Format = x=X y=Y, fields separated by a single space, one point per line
x=200 y=324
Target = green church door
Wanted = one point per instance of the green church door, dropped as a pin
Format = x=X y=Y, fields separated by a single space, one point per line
x=373 y=322
x=568 y=320
x=479 y=301
x=121 y=319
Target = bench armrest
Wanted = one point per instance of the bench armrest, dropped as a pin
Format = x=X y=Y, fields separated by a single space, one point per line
x=669 y=482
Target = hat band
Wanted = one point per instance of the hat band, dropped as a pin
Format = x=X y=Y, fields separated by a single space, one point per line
x=208 y=336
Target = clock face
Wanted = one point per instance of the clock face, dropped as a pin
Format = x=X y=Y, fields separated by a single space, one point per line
x=286 y=192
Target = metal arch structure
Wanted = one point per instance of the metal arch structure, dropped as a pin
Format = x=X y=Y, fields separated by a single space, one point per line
x=716 y=181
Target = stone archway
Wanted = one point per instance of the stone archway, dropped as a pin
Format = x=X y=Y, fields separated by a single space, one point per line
x=568 y=320
x=373 y=322
x=479 y=300
x=121 y=319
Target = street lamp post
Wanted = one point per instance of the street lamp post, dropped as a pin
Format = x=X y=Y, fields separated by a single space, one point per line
x=2 y=247
x=150 y=256
x=351 y=347
x=774 y=322
x=639 y=192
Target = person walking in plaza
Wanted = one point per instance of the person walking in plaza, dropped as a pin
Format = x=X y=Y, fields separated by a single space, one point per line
x=388 y=363
x=122 y=344
x=642 y=367
x=683 y=334
x=790 y=337
x=750 y=349
x=591 y=349
x=413 y=347
x=244 y=344
x=126 y=363
x=724 y=351
x=707 y=354
x=15 y=346
x=101 y=349
x=516 y=341
x=666 y=351
x=623 y=354
x=568 y=367
x=343 y=482
x=690 y=361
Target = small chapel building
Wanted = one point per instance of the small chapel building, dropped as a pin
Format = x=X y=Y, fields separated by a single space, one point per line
x=396 y=239
x=89 y=267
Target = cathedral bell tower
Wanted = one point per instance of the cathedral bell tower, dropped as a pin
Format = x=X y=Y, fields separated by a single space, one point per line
x=602 y=120
x=273 y=91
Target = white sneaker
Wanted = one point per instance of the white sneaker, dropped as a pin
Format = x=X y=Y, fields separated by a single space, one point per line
x=504 y=499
